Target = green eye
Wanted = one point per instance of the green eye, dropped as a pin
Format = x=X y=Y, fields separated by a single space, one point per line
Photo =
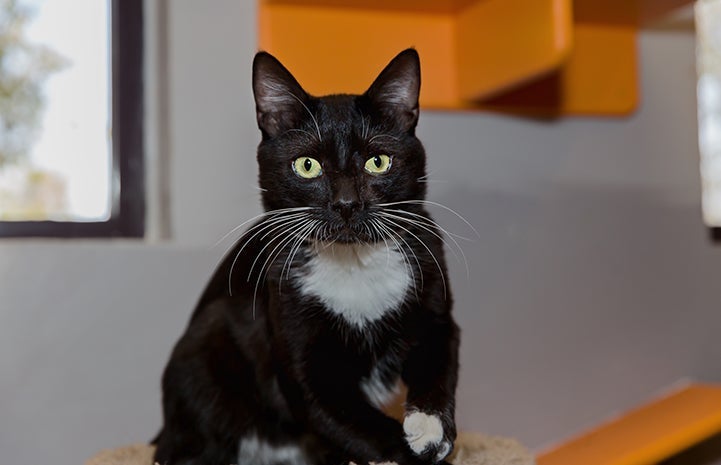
x=379 y=164
x=307 y=167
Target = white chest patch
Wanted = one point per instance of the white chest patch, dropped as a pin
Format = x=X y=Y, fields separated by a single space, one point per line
x=361 y=283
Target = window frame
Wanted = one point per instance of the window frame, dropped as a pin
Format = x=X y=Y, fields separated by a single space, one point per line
x=714 y=234
x=127 y=213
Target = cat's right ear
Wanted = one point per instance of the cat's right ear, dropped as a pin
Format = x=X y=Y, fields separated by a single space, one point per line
x=279 y=99
x=395 y=91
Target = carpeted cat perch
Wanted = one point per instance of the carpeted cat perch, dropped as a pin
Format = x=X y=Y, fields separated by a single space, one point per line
x=470 y=449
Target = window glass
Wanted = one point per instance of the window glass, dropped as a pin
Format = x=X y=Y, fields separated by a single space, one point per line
x=55 y=138
x=708 y=27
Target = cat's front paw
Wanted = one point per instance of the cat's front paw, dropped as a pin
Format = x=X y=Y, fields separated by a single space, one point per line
x=426 y=436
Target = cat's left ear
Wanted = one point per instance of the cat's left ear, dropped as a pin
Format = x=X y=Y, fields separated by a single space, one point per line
x=395 y=91
x=279 y=99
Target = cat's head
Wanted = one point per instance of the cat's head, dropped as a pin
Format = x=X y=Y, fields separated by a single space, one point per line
x=344 y=156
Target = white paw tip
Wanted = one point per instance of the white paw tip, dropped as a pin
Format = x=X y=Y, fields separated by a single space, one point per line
x=422 y=430
x=443 y=451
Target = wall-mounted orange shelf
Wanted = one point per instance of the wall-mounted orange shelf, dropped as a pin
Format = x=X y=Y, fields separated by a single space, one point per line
x=649 y=434
x=529 y=56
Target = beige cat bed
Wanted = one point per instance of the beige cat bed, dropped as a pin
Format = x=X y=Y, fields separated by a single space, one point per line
x=471 y=449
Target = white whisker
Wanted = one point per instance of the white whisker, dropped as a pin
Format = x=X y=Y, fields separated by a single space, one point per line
x=429 y=202
x=365 y=126
x=272 y=256
x=438 y=265
x=370 y=141
x=392 y=236
x=427 y=226
x=428 y=221
x=425 y=176
x=274 y=223
x=269 y=213
x=300 y=130
x=291 y=225
x=431 y=181
x=315 y=121
x=296 y=239
x=295 y=248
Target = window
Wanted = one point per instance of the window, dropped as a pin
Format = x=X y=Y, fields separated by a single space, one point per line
x=708 y=28
x=71 y=118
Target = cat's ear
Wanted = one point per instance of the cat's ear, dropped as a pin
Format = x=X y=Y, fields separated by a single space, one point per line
x=279 y=99
x=395 y=91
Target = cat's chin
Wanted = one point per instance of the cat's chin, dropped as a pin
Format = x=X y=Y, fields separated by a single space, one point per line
x=347 y=237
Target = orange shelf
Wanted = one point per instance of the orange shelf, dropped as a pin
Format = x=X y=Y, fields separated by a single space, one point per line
x=521 y=47
x=649 y=434
x=553 y=57
x=343 y=49
x=598 y=78
x=623 y=12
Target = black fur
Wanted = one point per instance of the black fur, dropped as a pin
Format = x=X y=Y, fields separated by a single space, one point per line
x=259 y=358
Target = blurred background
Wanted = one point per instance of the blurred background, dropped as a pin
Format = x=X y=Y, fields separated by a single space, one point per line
x=594 y=284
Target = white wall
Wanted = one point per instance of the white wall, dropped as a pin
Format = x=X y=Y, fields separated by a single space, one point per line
x=591 y=287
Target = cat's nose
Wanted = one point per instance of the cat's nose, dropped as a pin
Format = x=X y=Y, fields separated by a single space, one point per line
x=346 y=207
x=346 y=200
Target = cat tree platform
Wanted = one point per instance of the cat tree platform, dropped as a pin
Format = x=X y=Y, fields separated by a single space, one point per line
x=679 y=419
x=470 y=449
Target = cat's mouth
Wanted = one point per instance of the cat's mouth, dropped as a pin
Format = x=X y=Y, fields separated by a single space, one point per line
x=349 y=234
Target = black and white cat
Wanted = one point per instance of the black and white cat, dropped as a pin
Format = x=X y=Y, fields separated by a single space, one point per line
x=332 y=299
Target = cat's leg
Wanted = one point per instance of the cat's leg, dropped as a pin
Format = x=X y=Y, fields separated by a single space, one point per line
x=208 y=399
x=431 y=374
x=189 y=447
x=194 y=432
x=340 y=414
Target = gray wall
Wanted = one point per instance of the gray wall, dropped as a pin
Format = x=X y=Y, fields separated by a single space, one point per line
x=591 y=287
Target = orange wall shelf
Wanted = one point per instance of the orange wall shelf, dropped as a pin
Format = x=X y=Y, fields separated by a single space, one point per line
x=527 y=56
